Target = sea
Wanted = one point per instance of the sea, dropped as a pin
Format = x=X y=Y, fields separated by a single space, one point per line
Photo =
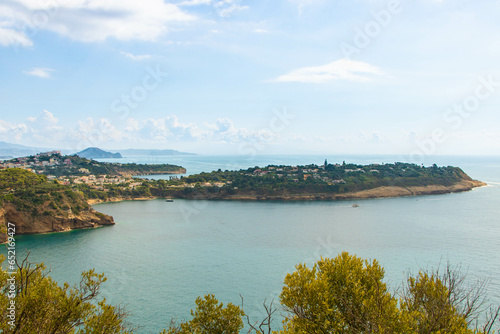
x=160 y=256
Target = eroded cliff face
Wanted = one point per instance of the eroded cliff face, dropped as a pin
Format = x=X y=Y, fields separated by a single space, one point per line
x=3 y=228
x=26 y=223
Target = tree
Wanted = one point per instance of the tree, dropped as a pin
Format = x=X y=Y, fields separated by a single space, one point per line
x=347 y=295
x=336 y=296
x=429 y=309
x=210 y=317
x=341 y=295
x=42 y=306
x=445 y=302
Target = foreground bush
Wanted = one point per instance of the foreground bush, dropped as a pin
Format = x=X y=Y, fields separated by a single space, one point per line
x=42 y=306
x=341 y=295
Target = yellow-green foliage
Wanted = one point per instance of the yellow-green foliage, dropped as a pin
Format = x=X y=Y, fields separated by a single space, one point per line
x=341 y=295
x=211 y=317
x=336 y=296
x=17 y=178
x=30 y=192
x=427 y=305
x=347 y=295
x=42 y=306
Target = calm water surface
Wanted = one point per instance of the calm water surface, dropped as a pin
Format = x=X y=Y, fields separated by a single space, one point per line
x=160 y=256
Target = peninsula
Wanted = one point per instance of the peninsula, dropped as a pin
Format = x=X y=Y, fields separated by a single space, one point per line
x=50 y=192
x=324 y=182
x=296 y=183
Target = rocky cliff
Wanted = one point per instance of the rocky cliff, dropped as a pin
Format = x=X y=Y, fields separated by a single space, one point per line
x=35 y=205
x=27 y=223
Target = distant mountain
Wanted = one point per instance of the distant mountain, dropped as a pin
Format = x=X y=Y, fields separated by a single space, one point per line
x=97 y=153
x=9 y=150
x=146 y=152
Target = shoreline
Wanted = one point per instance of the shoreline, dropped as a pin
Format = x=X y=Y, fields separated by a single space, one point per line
x=175 y=172
x=94 y=201
x=379 y=192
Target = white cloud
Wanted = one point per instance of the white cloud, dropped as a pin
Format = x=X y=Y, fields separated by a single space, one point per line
x=342 y=69
x=90 y=132
x=44 y=73
x=12 y=132
x=170 y=129
x=45 y=120
x=194 y=2
x=13 y=37
x=135 y=57
x=260 y=31
x=223 y=130
x=43 y=128
x=88 y=20
x=162 y=130
x=224 y=8
x=302 y=4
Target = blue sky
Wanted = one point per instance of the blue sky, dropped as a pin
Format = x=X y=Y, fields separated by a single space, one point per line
x=417 y=77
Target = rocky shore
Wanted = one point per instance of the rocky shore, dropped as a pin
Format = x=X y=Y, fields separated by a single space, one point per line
x=26 y=223
x=380 y=192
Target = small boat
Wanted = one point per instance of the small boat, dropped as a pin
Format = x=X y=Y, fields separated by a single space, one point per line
x=355 y=205
x=169 y=200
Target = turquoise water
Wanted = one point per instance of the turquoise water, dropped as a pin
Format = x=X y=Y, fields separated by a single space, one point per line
x=160 y=256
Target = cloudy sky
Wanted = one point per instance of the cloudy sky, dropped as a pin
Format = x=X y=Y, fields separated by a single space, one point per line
x=233 y=76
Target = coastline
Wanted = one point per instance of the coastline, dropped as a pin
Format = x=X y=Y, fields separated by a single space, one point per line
x=174 y=172
x=94 y=201
x=380 y=192
x=97 y=219
x=25 y=223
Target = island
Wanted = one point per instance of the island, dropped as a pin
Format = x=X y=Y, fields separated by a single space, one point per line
x=49 y=192
x=97 y=153
x=152 y=152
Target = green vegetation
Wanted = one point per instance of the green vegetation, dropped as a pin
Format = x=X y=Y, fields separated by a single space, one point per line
x=101 y=181
x=15 y=178
x=341 y=295
x=210 y=317
x=281 y=182
x=347 y=295
x=322 y=181
x=34 y=193
x=42 y=306
x=94 y=167
x=57 y=165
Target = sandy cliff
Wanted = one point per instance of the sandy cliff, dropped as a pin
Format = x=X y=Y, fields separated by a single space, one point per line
x=26 y=223
x=380 y=192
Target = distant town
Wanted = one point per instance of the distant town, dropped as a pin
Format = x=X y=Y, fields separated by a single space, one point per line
x=102 y=180
x=74 y=170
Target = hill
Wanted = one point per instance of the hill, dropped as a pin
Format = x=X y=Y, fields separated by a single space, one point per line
x=9 y=150
x=97 y=153
x=153 y=152
x=325 y=182
x=53 y=164
x=35 y=205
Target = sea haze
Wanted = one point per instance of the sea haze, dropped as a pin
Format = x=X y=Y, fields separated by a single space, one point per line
x=160 y=256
